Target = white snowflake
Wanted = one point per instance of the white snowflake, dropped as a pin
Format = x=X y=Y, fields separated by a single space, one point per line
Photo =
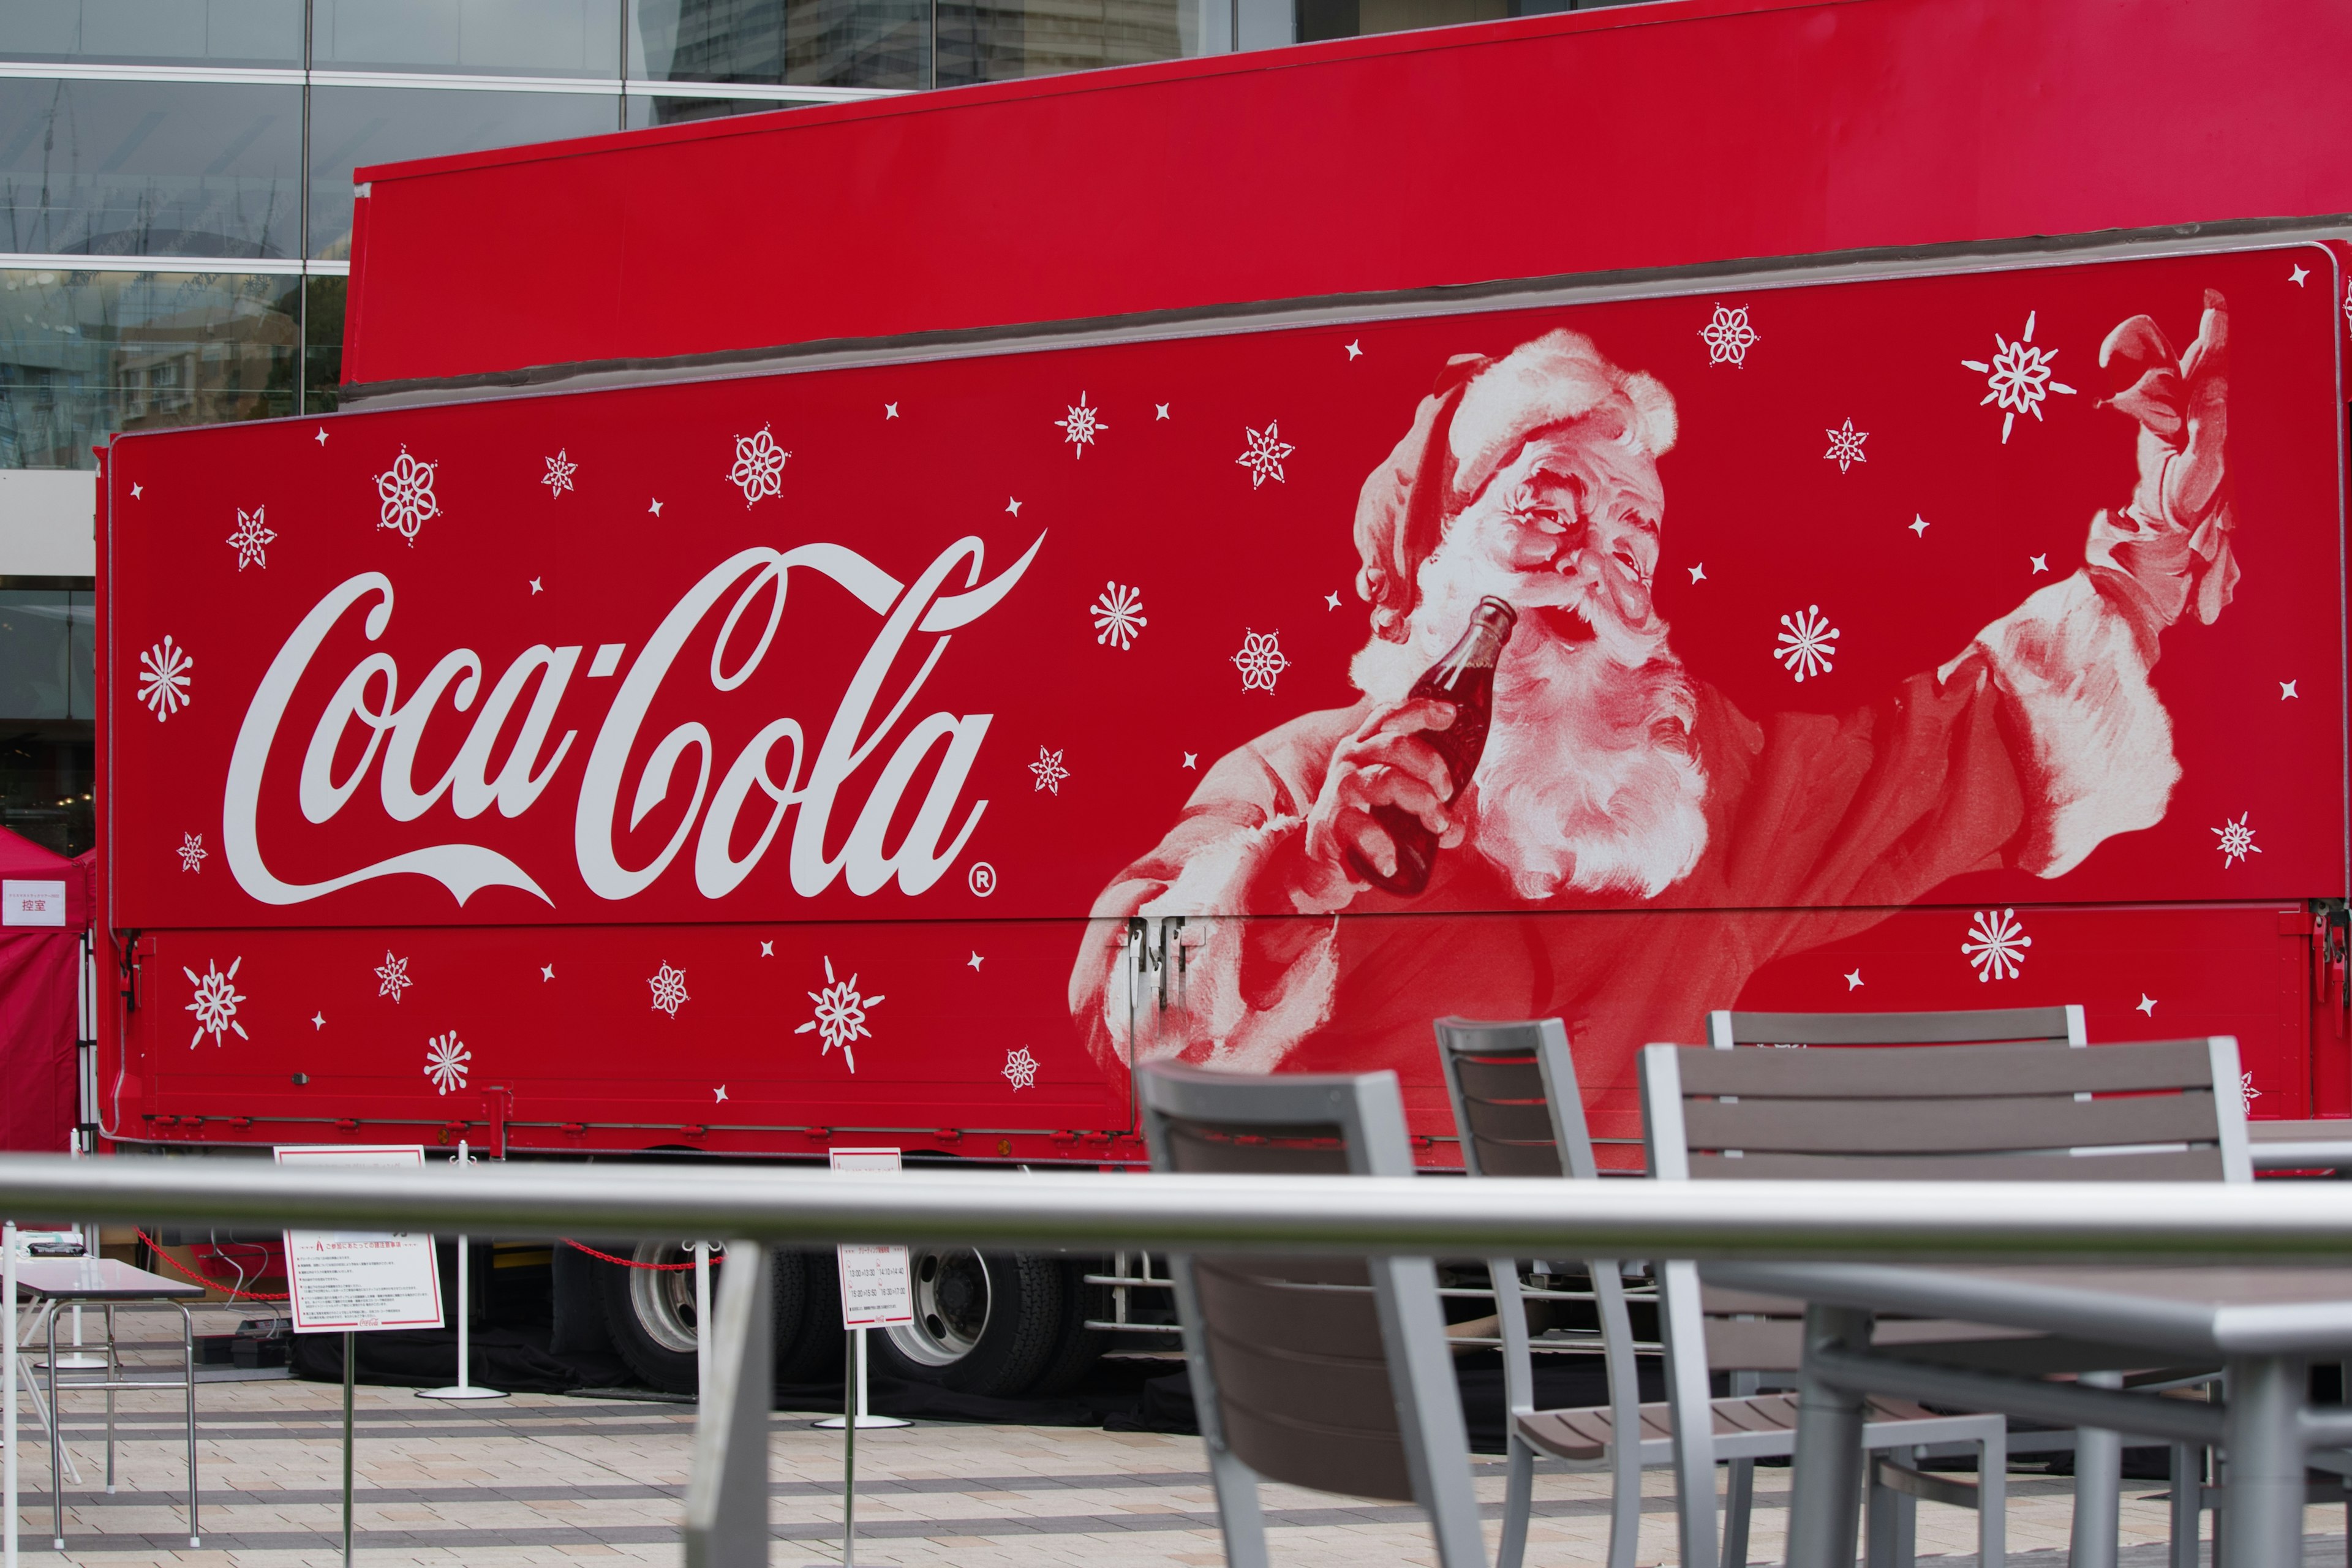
x=1845 y=446
x=2018 y=377
x=191 y=852
x=252 y=540
x=445 y=1058
x=1807 y=643
x=164 y=678
x=559 y=469
x=1118 y=616
x=1021 y=1068
x=1263 y=457
x=2347 y=306
x=215 y=1003
x=1728 y=336
x=1081 y=425
x=2237 y=840
x=393 y=976
x=840 y=1015
x=759 y=468
x=2246 y=1089
x=669 y=989
x=1049 y=770
x=1997 y=944
x=406 y=491
x=1261 y=660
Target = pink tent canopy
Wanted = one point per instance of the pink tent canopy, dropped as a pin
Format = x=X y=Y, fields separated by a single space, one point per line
x=39 y=944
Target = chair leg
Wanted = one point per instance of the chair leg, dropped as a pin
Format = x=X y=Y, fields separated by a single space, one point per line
x=1992 y=1500
x=1739 y=1503
x=1237 y=1509
x=1624 y=1503
x=1519 y=1501
x=2098 y=1488
x=2188 y=1488
x=1879 y=1521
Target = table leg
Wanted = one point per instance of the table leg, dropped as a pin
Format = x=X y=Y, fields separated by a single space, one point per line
x=1826 y=1496
x=2098 y=1487
x=2261 y=1516
x=188 y=1370
x=56 y=1421
x=113 y=1376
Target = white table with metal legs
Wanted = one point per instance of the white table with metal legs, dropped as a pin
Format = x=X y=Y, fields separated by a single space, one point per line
x=55 y=1282
x=2264 y=1325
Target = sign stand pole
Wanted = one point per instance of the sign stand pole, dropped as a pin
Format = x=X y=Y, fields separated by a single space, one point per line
x=464 y=1387
x=350 y=1382
x=850 y=1450
x=8 y=1300
x=701 y=1321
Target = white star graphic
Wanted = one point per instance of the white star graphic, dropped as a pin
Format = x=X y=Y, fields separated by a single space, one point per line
x=1192 y=760
x=1918 y=525
x=322 y=435
x=134 y=492
x=719 y=1097
x=1013 y=507
x=1698 y=574
x=890 y=411
x=535 y=587
x=655 y=509
x=1332 y=599
x=2147 y=1005
x=2287 y=690
x=767 y=950
x=1163 y=411
x=1356 y=349
x=319 y=1020
x=2298 y=275
x=2040 y=563
x=974 y=963
x=547 y=971
x=1854 y=981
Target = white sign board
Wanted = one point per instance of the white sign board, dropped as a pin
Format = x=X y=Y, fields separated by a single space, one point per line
x=875 y=1291
x=344 y=1281
x=32 y=903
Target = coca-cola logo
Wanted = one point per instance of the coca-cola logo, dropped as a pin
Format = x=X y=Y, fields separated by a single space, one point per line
x=782 y=771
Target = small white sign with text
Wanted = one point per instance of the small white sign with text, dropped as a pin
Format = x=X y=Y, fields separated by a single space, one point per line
x=343 y=1281
x=32 y=903
x=875 y=1289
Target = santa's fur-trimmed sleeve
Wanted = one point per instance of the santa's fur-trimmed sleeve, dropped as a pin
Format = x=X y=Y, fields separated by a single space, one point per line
x=2072 y=667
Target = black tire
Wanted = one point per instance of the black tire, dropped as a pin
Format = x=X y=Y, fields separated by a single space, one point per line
x=988 y=1324
x=650 y=1312
x=1080 y=1347
x=813 y=1350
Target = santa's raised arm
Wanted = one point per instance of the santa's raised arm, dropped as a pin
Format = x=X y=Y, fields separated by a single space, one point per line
x=1613 y=779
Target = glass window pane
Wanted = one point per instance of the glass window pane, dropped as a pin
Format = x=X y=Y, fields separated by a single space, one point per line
x=154 y=32
x=645 y=112
x=45 y=782
x=106 y=168
x=322 y=344
x=86 y=354
x=351 y=126
x=38 y=676
x=1009 y=38
x=807 y=43
x=495 y=37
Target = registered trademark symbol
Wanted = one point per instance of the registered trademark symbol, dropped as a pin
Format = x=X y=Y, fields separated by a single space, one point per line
x=981 y=879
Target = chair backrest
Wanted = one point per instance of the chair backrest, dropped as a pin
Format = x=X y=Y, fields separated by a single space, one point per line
x=2165 y=1111
x=1516 y=1103
x=1329 y=1373
x=1988 y=1026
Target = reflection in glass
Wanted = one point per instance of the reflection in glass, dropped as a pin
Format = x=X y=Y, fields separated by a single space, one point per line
x=806 y=43
x=86 y=354
x=486 y=38
x=1009 y=38
x=45 y=781
x=154 y=32
x=322 y=344
x=45 y=653
x=106 y=168
x=351 y=126
x=645 y=112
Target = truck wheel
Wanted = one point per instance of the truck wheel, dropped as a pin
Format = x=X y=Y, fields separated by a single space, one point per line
x=650 y=1312
x=1080 y=1346
x=812 y=1350
x=985 y=1323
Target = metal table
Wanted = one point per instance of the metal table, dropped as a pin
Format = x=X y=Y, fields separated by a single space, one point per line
x=2264 y=1325
x=55 y=1282
x=2301 y=1145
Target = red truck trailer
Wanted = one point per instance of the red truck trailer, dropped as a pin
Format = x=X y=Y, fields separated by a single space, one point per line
x=606 y=739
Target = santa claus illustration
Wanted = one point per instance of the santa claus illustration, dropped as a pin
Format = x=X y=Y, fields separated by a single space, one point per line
x=1633 y=847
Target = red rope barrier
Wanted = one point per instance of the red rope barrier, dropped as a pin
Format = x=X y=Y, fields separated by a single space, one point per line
x=627 y=1263
x=156 y=1247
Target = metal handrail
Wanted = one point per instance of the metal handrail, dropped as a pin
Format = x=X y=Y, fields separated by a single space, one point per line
x=1822 y=1221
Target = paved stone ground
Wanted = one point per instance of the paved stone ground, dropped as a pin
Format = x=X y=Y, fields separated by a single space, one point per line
x=547 y=1479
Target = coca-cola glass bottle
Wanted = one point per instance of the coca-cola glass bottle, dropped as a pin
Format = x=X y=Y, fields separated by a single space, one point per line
x=1465 y=679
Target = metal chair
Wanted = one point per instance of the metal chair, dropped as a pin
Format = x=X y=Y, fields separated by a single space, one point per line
x=1332 y=1374
x=1517 y=1107
x=2166 y=1110
x=2060 y=1026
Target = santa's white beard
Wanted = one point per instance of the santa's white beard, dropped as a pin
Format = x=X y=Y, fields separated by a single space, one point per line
x=1589 y=780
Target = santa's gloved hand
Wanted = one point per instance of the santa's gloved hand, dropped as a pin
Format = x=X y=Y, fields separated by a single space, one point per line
x=2169 y=550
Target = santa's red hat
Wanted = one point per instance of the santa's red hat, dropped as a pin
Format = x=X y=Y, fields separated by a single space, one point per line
x=1481 y=415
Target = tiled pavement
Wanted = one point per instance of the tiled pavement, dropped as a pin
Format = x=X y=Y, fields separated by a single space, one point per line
x=539 y=1478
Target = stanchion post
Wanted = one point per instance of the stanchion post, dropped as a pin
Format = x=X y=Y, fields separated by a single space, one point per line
x=350 y=1375
x=701 y=1321
x=464 y=1387
x=852 y=1408
x=9 y=1421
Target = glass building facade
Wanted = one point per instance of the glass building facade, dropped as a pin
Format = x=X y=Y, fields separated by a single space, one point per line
x=176 y=187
